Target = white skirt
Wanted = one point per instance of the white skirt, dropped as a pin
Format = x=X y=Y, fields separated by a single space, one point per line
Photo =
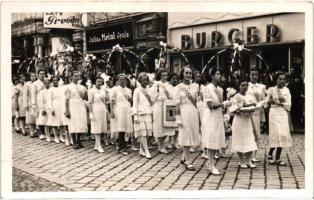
x=213 y=130
x=189 y=134
x=55 y=120
x=77 y=121
x=99 y=123
x=243 y=139
x=144 y=127
x=279 y=131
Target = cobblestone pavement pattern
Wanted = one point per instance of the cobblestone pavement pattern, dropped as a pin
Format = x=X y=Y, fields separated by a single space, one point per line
x=64 y=168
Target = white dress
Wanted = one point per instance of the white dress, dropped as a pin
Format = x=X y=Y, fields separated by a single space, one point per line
x=199 y=98
x=37 y=86
x=189 y=134
x=258 y=92
x=30 y=115
x=159 y=97
x=122 y=110
x=142 y=111
x=19 y=90
x=13 y=100
x=65 y=120
x=111 y=120
x=243 y=139
x=213 y=131
x=42 y=106
x=77 y=121
x=54 y=104
x=279 y=131
x=97 y=99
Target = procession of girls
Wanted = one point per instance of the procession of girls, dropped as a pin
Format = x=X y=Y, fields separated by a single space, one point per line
x=66 y=110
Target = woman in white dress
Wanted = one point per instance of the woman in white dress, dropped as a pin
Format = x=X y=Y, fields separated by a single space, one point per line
x=121 y=113
x=160 y=93
x=30 y=115
x=213 y=131
x=76 y=110
x=55 y=111
x=65 y=121
x=14 y=118
x=188 y=119
x=98 y=99
x=142 y=111
x=279 y=99
x=19 y=105
x=243 y=136
x=42 y=104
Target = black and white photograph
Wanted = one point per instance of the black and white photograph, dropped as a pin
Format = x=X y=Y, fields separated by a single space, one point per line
x=158 y=101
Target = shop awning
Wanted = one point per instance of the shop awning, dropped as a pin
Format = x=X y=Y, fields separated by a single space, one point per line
x=146 y=19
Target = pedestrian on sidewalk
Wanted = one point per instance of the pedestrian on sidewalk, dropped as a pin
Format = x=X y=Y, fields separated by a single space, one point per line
x=279 y=99
x=142 y=111
x=188 y=120
x=160 y=95
x=75 y=110
x=258 y=92
x=121 y=113
x=30 y=115
x=243 y=136
x=43 y=110
x=54 y=110
x=19 y=104
x=98 y=99
x=213 y=131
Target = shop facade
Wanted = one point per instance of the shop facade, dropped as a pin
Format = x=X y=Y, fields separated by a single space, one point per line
x=277 y=37
x=137 y=32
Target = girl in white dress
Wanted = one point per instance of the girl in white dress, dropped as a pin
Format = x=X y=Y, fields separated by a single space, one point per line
x=213 y=131
x=65 y=121
x=188 y=120
x=174 y=80
x=121 y=113
x=76 y=110
x=198 y=80
x=43 y=109
x=54 y=108
x=14 y=118
x=258 y=91
x=142 y=111
x=279 y=99
x=243 y=136
x=30 y=115
x=19 y=105
x=160 y=93
x=98 y=99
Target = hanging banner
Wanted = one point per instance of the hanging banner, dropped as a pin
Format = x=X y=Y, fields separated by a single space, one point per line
x=62 y=20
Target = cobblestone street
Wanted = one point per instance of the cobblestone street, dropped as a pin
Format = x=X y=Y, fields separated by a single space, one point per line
x=39 y=166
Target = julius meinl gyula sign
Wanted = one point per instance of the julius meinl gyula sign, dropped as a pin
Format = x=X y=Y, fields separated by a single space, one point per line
x=62 y=20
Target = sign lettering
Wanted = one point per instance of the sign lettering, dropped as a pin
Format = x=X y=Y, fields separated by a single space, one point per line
x=62 y=20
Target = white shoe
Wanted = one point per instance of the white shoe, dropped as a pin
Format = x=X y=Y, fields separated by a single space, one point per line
x=243 y=166
x=134 y=149
x=148 y=156
x=48 y=139
x=204 y=156
x=100 y=150
x=67 y=143
x=217 y=157
x=42 y=137
x=163 y=151
x=251 y=165
x=192 y=150
x=254 y=160
x=61 y=139
x=57 y=140
x=142 y=153
x=214 y=171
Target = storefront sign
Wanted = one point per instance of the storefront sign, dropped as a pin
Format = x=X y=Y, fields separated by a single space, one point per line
x=234 y=35
x=146 y=44
x=62 y=20
x=107 y=37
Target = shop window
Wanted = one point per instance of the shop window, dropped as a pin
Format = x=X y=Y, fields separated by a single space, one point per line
x=276 y=57
x=195 y=61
